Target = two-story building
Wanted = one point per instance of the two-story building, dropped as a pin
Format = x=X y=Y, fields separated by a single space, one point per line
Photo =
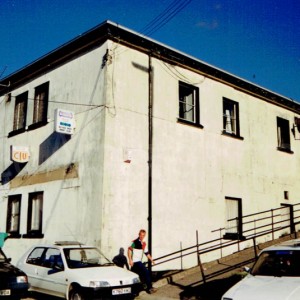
x=113 y=132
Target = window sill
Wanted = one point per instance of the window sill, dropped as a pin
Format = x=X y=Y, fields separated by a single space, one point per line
x=183 y=121
x=233 y=237
x=238 y=137
x=16 y=132
x=37 y=125
x=30 y=127
x=33 y=235
x=286 y=150
x=14 y=235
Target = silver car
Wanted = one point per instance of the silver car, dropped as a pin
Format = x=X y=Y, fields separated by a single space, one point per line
x=75 y=271
x=274 y=276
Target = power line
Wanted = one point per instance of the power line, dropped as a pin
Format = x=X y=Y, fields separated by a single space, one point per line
x=64 y=102
x=166 y=16
x=162 y=19
x=151 y=23
x=4 y=69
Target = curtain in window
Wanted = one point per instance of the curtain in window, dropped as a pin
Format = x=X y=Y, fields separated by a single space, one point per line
x=189 y=108
x=36 y=214
x=39 y=107
x=232 y=214
x=20 y=112
x=14 y=217
x=228 y=124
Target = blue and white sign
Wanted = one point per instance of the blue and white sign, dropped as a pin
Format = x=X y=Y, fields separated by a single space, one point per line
x=64 y=121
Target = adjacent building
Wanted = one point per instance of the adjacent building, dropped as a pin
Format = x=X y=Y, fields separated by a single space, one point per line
x=113 y=132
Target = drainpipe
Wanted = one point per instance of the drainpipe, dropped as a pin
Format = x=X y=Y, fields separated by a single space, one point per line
x=150 y=136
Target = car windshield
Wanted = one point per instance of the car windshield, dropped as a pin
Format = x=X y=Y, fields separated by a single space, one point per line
x=85 y=257
x=278 y=263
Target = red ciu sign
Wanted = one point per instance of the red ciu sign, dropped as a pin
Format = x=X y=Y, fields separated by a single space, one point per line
x=19 y=154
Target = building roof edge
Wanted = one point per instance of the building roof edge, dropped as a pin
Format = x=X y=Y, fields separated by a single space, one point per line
x=111 y=30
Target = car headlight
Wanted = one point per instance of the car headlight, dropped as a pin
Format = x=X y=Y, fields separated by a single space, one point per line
x=95 y=284
x=136 y=280
x=22 y=279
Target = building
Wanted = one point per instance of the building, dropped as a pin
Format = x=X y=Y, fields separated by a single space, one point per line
x=113 y=132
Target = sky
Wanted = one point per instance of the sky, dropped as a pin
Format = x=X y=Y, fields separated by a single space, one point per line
x=257 y=40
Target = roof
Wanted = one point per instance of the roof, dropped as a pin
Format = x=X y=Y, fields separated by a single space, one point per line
x=287 y=245
x=112 y=31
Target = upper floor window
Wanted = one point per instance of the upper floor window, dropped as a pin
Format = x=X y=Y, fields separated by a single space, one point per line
x=231 y=123
x=189 y=103
x=20 y=111
x=13 y=215
x=35 y=214
x=40 y=108
x=283 y=134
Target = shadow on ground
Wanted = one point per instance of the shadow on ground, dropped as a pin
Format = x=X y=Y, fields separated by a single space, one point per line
x=37 y=296
x=212 y=290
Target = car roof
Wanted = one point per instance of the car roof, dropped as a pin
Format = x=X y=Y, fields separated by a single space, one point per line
x=287 y=245
x=65 y=244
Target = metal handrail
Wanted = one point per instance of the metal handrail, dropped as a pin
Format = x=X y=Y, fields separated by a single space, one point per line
x=220 y=243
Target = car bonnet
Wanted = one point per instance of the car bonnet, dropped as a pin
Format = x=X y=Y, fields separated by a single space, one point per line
x=115 y=276
x=265 y=288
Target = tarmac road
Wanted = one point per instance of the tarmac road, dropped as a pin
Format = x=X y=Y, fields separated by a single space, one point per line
x=212 y=290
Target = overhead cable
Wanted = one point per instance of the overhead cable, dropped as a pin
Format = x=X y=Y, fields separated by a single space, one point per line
x=166 y=16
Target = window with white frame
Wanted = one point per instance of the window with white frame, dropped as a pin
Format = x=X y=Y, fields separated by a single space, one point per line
x=20 y=111
x=13 y=214
x=189 y=103
x=234 y=226
x=283 y=134
x=231 y=117
x=40 y=108
x=35 y=213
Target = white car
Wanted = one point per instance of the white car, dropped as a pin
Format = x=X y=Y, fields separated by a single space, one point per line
x=274 y=276
x=74 y=271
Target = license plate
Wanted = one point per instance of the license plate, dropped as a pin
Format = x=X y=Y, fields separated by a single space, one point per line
x=4 y=292
x=121 y=291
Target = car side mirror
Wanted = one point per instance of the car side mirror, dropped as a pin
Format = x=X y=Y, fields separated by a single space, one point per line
x=247 y=269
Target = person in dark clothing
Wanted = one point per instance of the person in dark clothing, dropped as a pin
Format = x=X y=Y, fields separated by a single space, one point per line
x=120 y=260
x=135 y=256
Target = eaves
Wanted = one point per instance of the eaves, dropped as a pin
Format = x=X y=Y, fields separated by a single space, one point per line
x=109 y=30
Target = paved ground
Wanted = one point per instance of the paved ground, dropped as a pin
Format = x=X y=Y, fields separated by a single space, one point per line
x=182 y=289
x=212 y=290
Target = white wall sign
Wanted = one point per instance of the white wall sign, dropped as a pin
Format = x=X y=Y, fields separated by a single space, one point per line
x=64 y=121
x=19 y=154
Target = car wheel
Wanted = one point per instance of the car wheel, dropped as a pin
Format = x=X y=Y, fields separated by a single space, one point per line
x=75 y=294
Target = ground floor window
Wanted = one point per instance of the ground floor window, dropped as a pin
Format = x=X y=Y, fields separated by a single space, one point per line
x=234 y=222
x=35 y=213
x=13 y=215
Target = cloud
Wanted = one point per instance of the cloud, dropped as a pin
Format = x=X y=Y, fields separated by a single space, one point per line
x=218 y=6
x=211 y=25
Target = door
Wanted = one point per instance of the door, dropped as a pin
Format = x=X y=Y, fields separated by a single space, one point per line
x=52 y=274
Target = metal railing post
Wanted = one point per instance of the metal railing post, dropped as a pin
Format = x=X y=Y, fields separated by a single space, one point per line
x=201 y=269
x=197 y=246
x=199 y=259
x=181 y=259
x=272 y=217
x=254 y=245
